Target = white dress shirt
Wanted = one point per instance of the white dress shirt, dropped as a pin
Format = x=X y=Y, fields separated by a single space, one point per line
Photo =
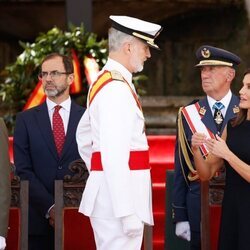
x=225 y=101
x=64 y=111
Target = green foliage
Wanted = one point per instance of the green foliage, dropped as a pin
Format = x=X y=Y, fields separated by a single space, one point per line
x=18 y=80
x=140 y=82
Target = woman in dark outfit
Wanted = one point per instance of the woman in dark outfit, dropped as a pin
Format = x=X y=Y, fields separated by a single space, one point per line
x=233 y=150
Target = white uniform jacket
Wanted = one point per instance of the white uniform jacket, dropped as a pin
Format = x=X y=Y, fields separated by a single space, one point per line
x=114 y=125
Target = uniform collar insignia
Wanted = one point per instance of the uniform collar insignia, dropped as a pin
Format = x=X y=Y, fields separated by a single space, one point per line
x=202 y=110
x=236 y=109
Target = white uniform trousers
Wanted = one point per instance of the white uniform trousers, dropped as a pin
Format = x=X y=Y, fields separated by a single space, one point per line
x=109 y=235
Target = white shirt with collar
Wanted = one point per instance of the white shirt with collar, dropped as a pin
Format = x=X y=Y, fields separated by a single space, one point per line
x=64 y=111
x=114 y=125
x=225 y=101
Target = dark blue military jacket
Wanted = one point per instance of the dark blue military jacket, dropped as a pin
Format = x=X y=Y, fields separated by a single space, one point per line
x=186 y=194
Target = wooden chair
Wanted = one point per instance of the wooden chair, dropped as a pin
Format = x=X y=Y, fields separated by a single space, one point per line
x=68 y=193
x=20 y=200
x=148 y=238
x=211 y=195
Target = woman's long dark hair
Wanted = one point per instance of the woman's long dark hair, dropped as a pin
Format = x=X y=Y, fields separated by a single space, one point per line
x=242 y=115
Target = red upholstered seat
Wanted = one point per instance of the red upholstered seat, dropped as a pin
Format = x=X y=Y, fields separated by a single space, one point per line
x=77 y=231
x=161 y=155
x=14 y=230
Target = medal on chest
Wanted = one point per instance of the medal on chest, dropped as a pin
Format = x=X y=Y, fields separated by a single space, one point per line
x=218 y=117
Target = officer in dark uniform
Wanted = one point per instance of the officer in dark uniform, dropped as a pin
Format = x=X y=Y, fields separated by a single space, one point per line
x=217 y=67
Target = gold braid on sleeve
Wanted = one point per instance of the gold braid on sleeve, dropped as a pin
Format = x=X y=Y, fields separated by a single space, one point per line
x=184 y=149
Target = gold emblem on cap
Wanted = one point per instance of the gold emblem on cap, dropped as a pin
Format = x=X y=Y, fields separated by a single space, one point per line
x=202 y=111
x=205 y=53
x=236 y=109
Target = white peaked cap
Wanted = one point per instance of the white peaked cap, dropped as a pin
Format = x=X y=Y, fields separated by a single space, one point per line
x=146 y=31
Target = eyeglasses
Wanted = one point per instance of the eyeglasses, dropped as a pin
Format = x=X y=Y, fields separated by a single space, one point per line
x=53 y=74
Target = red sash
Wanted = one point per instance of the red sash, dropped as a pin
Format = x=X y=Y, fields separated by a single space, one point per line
x=138 y=160
x=193 y=117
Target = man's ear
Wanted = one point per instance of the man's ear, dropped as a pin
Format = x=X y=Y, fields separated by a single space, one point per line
x=231 y=74
x=126 y=48
x=70 y=78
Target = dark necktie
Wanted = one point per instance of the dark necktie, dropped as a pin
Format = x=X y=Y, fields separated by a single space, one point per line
x=58 y=130
x=218 y=117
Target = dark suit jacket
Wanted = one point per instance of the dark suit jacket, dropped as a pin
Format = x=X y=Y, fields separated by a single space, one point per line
x=4 y=179
x=186 y=195
x=36 y=159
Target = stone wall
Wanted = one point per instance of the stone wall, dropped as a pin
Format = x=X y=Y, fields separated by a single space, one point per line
x=160 y=112
x=171 y=71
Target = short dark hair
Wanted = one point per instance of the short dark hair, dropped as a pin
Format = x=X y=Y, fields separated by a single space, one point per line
x=67 y=61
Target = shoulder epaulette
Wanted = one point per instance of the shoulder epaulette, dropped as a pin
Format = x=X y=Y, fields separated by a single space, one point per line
x=116 y=75
x=102 y=80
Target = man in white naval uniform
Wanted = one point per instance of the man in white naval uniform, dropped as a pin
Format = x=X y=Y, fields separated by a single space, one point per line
x=112 y=141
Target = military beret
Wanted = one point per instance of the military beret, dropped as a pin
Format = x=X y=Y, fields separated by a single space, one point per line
x=145 y=31
x=212 y=56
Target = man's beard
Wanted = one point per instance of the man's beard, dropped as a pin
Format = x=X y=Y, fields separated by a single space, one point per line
x=136 y=64
x=139 y=68
x=58 y=91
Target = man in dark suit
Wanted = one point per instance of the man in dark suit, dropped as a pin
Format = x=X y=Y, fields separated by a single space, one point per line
x=45 y=145
x=208 y=115
x=5 y=193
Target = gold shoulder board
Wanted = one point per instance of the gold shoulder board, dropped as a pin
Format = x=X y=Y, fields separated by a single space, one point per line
x=116 y=75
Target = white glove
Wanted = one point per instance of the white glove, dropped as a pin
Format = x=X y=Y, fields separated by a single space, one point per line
x=132 y=225
x=2 y=243
x=182 y=230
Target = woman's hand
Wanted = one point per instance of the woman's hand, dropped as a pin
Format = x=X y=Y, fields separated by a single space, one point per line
x=218 y=147
x=197 y=140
